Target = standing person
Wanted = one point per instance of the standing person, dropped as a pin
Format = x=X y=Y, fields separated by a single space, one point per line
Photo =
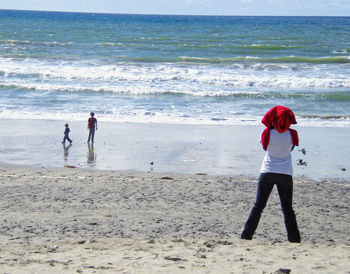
x=92 y=126
x=278 y=140
x=66 y=134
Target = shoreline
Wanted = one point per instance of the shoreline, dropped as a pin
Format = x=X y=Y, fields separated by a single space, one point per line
x=172 y=148
x=78 y=220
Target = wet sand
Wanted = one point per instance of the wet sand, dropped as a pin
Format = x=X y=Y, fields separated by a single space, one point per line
x=183 y=149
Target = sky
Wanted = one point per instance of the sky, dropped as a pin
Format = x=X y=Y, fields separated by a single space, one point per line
x=190 y=7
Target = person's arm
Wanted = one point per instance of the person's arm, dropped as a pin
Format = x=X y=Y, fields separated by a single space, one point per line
x=96 y=123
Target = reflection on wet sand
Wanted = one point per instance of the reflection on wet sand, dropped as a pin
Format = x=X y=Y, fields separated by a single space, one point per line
x=91 y=156
x=66 y=152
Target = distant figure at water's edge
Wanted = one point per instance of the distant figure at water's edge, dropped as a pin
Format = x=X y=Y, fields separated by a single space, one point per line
x=66 y=134
x=92 y=126
x=278 y=140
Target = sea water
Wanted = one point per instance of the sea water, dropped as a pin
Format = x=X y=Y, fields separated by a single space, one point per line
x=173 y=69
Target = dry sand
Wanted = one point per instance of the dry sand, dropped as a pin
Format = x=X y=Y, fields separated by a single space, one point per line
x=78 y=221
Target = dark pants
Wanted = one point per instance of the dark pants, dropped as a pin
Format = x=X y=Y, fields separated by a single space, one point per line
x=284 y=185
x=66 y=137
x=91 y=134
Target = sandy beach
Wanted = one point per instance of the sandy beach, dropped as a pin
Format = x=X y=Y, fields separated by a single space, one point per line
x=88 y=221
x=156 y=198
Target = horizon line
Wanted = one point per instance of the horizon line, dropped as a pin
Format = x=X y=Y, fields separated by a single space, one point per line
x=164 y=14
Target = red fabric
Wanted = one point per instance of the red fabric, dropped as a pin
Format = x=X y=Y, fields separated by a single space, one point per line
x=295 y=138
x=91 y=122
x=265 y=138
x=279 y=118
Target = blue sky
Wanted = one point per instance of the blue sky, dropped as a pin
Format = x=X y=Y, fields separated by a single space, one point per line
x=194 y=7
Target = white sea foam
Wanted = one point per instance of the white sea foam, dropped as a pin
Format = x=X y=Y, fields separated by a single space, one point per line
x=153 y=117
x=160 y=78
x=171 y=93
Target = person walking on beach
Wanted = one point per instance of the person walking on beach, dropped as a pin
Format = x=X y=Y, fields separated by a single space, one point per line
x=278 y=140
x=92 y=126
x=66 y=134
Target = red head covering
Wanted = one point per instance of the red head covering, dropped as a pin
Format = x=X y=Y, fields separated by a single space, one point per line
x=279 y=118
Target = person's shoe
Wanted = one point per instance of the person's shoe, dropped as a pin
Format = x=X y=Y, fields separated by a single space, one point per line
x=245 y=237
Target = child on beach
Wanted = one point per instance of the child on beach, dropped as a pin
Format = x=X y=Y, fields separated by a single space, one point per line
x=278 y=140
x=66 y=134
x=92 y=126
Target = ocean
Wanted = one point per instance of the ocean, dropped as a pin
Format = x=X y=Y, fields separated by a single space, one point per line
x=173 y=69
